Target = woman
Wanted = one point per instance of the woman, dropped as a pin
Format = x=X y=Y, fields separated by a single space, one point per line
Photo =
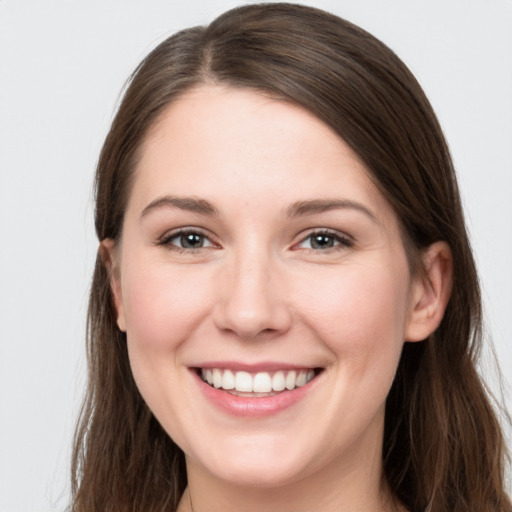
x=285 y=312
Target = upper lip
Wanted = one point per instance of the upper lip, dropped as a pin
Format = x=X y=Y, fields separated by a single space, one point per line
x=268 y=366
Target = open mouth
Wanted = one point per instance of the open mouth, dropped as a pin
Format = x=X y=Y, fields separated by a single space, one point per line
x=244 y=383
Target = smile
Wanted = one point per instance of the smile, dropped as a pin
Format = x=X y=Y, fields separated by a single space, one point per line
x=260 y=382
x=255 y=392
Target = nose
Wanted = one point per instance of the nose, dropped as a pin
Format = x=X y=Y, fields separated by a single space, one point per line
x=251 y=302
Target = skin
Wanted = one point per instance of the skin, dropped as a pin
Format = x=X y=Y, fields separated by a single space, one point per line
x=254 y=289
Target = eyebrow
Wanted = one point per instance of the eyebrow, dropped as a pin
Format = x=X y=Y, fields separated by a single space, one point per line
x=297 y=209
x=191 y=204
x=314 y=206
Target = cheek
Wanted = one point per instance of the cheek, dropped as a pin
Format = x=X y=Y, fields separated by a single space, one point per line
x=359 y=311
x=163 y=305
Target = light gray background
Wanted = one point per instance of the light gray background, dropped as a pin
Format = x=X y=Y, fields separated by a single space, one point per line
x=62 y=65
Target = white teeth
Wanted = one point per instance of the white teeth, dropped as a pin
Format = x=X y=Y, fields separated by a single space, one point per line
x=243 y=382
x=217 y=378
x=261 y=382
x=301 y=379
x=278 y=382
x=290 y=380
x=228 y=380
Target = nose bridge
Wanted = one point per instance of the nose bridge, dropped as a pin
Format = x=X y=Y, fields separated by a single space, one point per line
x=252 y=302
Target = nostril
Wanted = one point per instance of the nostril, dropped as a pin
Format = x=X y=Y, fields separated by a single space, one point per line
x=249 y=306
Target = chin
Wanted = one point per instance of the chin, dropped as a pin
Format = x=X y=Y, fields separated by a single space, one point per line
x=256 y=465
x=262 y=475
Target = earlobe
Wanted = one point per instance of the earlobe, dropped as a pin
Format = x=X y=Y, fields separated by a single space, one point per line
x=431 y=292
x=107 y=252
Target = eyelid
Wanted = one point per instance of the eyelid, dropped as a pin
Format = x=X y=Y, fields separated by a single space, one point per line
x=165 y=239
x=343 y=239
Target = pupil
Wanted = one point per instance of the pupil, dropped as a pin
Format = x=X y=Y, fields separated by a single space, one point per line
x=322 y=241
x=191 y=240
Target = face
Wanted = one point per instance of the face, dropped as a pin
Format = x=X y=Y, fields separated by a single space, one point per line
x=264 y=288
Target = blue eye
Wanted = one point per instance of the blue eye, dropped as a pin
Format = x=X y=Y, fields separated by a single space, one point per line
x=324 y=240
x=186 y=240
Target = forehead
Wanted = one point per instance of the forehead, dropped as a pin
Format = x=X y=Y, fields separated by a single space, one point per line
x=218 y=142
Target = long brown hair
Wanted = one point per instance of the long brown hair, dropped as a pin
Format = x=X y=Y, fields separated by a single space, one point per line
x=443 y=449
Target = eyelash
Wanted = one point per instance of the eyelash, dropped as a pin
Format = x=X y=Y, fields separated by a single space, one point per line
x=338 y=240
x=167 y=240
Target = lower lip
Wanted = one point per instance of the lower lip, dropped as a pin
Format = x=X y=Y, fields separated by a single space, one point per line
x=253 y=406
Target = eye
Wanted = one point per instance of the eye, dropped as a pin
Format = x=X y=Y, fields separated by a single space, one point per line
x=324 y=240
x=186 y=240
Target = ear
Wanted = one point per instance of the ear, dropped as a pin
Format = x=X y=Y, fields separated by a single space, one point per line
x=109 y=257
x=431 y=290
